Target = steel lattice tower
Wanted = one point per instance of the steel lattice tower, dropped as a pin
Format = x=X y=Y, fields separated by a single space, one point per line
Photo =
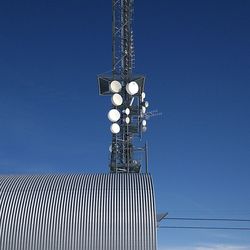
x=123 y=46
x=127 y=94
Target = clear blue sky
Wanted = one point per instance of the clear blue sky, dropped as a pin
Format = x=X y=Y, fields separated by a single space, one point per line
x=196 y=56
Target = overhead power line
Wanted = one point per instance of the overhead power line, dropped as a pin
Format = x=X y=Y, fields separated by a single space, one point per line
x=207 y=228
x=207 y=219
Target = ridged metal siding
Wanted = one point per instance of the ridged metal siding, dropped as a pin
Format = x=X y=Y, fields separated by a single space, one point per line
x=77 y=212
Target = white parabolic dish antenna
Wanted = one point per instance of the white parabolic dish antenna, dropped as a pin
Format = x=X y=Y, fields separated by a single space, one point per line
x=115 y=87
x=117 y=100
x=115 y=128
x=132 y=88
x=114 y=115
x=143 y=109
x=127 y=120
x=127 y=111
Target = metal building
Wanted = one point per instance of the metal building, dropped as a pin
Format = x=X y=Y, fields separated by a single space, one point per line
x=77 y=212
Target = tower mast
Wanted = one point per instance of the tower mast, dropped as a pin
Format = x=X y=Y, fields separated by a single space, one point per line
x=122 y=35
x=127 y=93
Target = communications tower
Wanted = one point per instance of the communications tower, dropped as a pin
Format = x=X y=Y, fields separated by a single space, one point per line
x=128 y=112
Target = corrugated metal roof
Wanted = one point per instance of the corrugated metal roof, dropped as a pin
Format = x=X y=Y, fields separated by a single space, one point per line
x=73 y=212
